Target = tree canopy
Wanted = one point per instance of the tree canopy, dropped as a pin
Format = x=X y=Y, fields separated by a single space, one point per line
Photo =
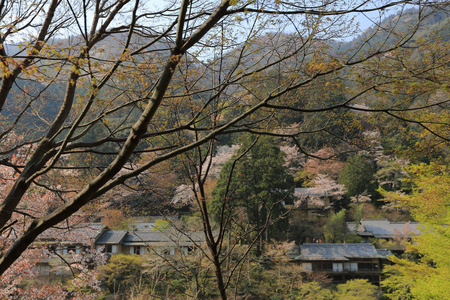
x=122 y=78
x=425 y=272
x=356 y=175
x=254 y=185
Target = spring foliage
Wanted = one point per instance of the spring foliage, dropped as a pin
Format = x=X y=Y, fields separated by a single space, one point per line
x=425 y=272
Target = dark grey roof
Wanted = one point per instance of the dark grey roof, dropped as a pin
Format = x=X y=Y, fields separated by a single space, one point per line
x=352 y=227
x=111 y=237
x=72 y=234
x=166 y=238
x=148 y=238
x=383 y=228
x=384 y=252
x=337 y=252
x=152 y=219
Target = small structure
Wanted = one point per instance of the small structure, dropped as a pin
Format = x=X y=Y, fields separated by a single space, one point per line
x=344 y=261
x=312 y=197
x=147 y=223
x=168 y=242
x=309 y=205
x=313 y=203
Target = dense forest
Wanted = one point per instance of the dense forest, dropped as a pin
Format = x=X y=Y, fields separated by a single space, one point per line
x=261 y=126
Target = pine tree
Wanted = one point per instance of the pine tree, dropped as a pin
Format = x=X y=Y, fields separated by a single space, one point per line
x=254 y=185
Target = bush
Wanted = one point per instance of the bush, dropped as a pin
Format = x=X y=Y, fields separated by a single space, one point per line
x=121 y=273
x=356 y=289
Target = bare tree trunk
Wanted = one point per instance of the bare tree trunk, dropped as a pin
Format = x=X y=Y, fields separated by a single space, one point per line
x=219 y=274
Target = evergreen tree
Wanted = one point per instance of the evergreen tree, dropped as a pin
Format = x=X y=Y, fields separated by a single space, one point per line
x=254 y=185
x=335 y=228
x=357 y=175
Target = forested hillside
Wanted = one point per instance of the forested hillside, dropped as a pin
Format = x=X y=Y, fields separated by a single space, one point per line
x=258 y=124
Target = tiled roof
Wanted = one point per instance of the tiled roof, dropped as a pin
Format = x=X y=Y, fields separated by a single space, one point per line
x=144 y=238
x=166 y=237
x=382 y=228
x=111 y=237
x=352 y=227
x=337 y=252
x=74 y=233
x=384 y=252
x=151 y=219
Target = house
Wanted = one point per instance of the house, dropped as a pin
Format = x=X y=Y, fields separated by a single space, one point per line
x=343 y=261
x=78 y=243
x=75 y=240
x=387 y=234
x=168 y=242
x=65 y=247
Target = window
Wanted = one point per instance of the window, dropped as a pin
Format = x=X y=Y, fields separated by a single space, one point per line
x=367 y=266
x=337 y=267
x=322 y=266
x=136 y=250
x=72 y=249
x=350 y=267
x=168 y=251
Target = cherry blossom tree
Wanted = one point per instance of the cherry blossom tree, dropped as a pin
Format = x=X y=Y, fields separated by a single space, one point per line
x=74 y=231
x=323 y=161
